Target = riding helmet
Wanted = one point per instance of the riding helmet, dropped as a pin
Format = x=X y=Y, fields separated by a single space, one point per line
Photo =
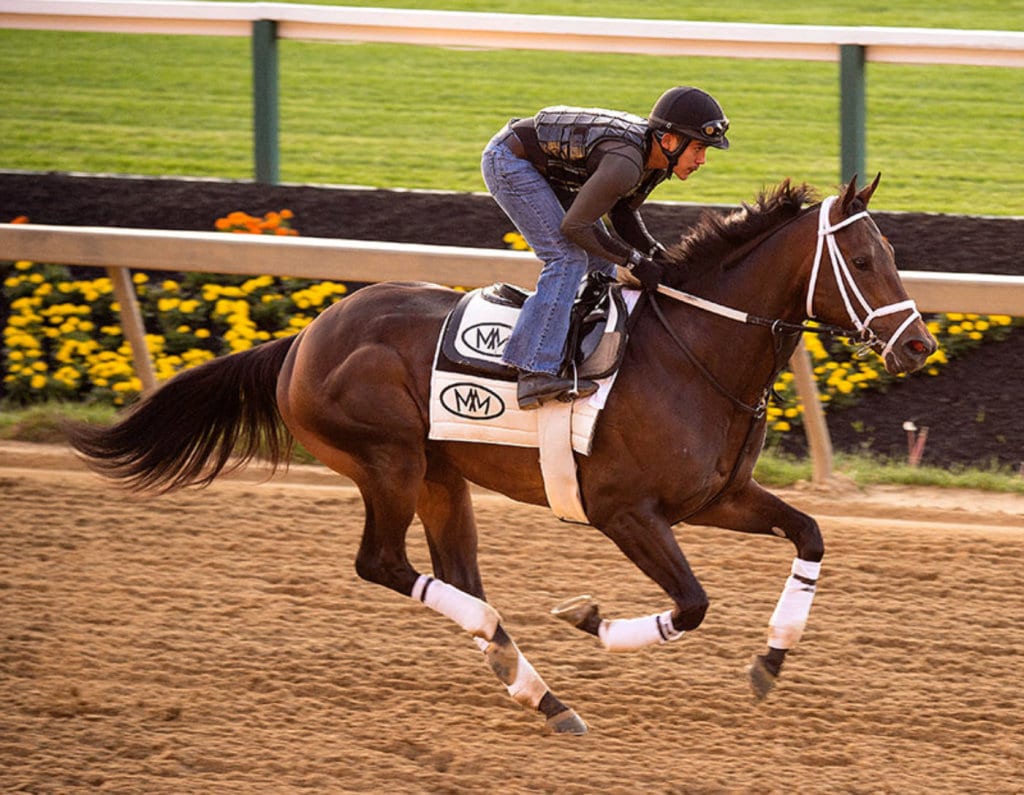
x=692 y=113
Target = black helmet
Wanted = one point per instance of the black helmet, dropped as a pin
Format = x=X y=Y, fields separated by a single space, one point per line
x=692 y=113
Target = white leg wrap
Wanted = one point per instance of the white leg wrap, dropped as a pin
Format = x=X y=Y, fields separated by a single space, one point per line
x=526 y=688
x=627 y=634
x=790 y=617
x=476 y=617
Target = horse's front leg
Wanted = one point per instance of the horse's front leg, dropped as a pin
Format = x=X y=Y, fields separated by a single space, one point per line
x=646 y=538
x=752 y=509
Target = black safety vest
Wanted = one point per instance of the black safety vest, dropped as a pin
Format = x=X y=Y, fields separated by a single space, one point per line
x=567 y=136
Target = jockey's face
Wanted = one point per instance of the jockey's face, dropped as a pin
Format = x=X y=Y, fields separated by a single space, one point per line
x=692 y=158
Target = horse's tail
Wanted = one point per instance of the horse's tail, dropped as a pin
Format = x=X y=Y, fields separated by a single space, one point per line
x=202 y=422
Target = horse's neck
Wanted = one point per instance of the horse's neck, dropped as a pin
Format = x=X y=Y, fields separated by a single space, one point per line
x=769 y=282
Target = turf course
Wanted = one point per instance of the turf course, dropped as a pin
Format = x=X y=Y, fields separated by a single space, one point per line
x=947 y=138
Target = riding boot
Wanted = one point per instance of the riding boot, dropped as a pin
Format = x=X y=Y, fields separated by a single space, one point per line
x=535 y=389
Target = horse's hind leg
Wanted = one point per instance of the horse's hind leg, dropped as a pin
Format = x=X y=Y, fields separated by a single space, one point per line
x=446 y=510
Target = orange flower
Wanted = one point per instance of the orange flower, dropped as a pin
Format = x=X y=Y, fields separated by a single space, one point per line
x=272 y=223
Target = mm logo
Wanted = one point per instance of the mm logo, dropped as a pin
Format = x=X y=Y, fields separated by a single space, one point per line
x=487 y=339
x=472 y=401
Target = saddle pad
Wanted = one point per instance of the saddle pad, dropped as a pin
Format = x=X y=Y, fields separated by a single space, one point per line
x=473 y=395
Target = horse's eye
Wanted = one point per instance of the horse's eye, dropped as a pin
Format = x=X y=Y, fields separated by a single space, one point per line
x=862 y=263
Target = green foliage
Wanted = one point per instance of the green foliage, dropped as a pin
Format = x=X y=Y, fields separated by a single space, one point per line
x=44 y=423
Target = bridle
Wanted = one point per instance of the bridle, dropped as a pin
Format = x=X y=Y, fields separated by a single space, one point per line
x=848 y=290
x=847 y=286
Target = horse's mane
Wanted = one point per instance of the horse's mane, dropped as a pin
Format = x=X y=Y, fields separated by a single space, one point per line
x=716 y=238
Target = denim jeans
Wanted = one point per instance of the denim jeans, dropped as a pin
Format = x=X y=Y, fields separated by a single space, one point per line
x=538 y=340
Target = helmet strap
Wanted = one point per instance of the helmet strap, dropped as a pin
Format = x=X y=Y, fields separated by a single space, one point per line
x=674 y=154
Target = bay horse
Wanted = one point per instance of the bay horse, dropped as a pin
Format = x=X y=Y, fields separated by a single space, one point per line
x=676 y=441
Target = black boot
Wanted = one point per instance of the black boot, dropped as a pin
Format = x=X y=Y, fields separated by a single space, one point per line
x=536 y=389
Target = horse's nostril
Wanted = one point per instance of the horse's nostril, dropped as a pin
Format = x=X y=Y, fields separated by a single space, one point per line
x=918 y=346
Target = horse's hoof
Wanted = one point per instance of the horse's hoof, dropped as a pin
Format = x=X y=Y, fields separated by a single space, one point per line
x=580 y=611
x=567 y=722
x=762 y=680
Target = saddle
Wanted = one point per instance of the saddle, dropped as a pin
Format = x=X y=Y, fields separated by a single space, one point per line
x=477 y=330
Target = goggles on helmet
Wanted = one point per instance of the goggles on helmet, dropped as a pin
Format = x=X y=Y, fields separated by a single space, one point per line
x=715 y=129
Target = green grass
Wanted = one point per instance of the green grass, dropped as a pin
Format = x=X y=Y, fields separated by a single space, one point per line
x=780 y=471
x=946 y=138
x=42 y=424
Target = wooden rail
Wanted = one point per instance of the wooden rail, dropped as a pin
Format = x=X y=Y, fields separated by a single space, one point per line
x=368 y=261
x=523 y=31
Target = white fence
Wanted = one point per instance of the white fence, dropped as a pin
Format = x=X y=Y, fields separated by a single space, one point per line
x=366 y=261
x=362 y=261
x=523 y=31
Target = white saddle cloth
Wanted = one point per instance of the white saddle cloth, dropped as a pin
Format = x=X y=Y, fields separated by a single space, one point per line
x=469 y=407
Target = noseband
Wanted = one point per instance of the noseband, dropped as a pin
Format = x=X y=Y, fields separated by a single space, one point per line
x=847 y=286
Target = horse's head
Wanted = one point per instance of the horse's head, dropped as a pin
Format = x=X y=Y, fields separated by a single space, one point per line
x=854 y=281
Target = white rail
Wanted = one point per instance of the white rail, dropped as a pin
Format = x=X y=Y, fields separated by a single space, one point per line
x=367 y=261
x=523 y=31
x=355 y=260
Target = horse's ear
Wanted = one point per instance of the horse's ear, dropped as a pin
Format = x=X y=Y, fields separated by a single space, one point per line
x=866 y=194
x=849 y=194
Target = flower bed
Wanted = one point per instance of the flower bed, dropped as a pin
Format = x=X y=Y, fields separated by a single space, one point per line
x=63 y=340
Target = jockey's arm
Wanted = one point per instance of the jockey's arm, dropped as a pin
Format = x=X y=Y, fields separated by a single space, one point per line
x=614 y=177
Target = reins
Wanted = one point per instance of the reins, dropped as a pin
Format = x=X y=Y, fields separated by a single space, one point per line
x=848 y=290
x=780 y=328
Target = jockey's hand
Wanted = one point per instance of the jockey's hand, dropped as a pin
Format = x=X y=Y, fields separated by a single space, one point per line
x=660 y=255
x=644 y=270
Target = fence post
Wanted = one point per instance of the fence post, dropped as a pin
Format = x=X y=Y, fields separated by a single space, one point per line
x=852 y=111
x=265 y=101
x=132 y=325
x=819 y=442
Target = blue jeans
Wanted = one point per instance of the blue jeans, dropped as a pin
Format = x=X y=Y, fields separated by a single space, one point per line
x=538 y=340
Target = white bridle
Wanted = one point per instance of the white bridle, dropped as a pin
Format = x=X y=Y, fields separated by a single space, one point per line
x=847 y=286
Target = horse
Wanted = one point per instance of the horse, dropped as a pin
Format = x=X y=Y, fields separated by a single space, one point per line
x=675 y=443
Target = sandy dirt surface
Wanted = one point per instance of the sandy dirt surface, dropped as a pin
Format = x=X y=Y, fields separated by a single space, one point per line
x=220 y=642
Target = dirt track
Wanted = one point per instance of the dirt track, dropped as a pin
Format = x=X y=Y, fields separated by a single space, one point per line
x=221 y=642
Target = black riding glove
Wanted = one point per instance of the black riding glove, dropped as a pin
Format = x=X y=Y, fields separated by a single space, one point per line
x=644 y=270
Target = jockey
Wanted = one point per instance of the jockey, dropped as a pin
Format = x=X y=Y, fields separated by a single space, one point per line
x=556 y=175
